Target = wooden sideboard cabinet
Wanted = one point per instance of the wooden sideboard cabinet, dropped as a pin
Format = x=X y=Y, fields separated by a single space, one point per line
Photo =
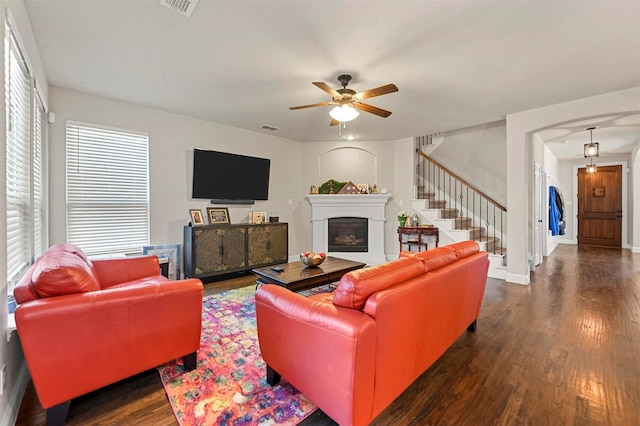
x=220 y=249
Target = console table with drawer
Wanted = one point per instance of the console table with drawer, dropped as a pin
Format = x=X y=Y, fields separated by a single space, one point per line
x=417 y=237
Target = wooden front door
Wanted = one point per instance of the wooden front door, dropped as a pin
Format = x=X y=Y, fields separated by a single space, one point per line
x=600 y=207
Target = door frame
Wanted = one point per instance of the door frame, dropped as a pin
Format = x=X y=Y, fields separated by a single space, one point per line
x=625 y=211
x=540 y=225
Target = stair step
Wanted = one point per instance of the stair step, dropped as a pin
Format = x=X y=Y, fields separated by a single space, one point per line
x=448 y=213
x=492 y=245
x=424 y=195
x=462 y=223
x=475 y=233
x=437 y=204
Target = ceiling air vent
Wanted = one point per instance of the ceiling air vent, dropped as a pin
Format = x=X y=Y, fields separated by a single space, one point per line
x=268 y=127
x=183 y=7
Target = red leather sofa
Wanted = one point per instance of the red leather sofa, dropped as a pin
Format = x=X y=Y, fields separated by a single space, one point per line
x=85 y=324
x=353 y=351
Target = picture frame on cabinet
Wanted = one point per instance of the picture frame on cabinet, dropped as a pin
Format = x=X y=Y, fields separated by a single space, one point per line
x=258 y=217
x=197 y=219
x=218 y=215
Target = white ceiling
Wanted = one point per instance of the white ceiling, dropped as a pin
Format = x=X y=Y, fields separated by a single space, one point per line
x=243 y=63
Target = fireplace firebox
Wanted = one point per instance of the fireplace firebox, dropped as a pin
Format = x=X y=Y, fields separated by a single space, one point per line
x=348 y=234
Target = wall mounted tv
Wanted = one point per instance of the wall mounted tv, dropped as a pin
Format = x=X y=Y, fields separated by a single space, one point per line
x=227 y=178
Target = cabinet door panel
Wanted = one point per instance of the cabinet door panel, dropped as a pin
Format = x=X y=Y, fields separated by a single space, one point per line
x=218 y=250
x=267 y=244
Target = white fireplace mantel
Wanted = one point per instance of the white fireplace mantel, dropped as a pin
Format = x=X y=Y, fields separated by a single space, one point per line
x=369 y=206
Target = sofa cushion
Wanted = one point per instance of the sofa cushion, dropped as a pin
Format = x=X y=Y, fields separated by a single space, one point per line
x=465 y=248
x=436 y=258
x=25 y=291
x=356 y=286
x=63 y=271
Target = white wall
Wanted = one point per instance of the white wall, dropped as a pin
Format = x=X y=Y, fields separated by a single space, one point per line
x=477 y=154
x=520 y=127
x=172 y=138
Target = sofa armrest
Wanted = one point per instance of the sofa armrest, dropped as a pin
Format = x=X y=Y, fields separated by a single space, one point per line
x=121 y=270
x=77 y=343
x=325 y=351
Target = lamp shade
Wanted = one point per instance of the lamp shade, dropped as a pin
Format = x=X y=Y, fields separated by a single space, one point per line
x=591 y=169
x=344 y=113
x=591 y=149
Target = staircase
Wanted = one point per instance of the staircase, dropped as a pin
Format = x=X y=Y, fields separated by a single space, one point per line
x=460 y=211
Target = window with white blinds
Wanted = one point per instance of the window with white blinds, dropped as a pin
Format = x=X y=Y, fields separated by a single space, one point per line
x=107 y=189
x=21 y=162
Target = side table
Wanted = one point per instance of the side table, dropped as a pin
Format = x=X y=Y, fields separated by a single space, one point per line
x=418 y=236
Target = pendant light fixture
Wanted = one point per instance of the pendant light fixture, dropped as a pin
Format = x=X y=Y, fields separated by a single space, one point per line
x=591 y=150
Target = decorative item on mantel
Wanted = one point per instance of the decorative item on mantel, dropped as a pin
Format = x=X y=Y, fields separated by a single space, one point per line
x=333 y=186
x=402 y=218
x=349 y=188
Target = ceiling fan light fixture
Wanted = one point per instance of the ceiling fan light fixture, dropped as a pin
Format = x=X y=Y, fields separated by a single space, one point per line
x=344 y=113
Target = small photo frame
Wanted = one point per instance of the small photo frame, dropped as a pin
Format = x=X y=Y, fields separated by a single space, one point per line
x=218 y=215
x=258 y=217
x=197 y=219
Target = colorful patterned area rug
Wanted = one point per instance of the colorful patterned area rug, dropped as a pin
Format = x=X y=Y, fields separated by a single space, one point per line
x=228 y=386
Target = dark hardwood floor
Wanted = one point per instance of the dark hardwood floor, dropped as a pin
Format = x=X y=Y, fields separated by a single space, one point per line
x=564 y=350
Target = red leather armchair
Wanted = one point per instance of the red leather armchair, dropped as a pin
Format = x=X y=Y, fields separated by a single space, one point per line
x=85 y=324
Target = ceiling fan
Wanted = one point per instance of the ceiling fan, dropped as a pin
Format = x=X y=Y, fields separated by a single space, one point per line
x=347 y=100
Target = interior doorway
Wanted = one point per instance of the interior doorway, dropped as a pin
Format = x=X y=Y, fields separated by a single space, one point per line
x=600 y=207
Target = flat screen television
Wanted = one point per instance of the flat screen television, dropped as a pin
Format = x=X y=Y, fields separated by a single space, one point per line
x=223 y=177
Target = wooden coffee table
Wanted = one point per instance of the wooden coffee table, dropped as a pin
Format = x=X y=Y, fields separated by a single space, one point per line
x=297 y=277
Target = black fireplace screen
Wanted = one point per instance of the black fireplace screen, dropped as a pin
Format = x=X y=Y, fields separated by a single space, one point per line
x=348 y=234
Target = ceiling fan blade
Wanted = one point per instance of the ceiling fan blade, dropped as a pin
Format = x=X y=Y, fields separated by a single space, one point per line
x=326 y=88
x=373 y=110
x=334 y=122
x=382 y=90
x=310 y=105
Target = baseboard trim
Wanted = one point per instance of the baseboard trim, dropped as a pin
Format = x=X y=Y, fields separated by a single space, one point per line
x=13 y=404
x=517 y=278
x=635 y=249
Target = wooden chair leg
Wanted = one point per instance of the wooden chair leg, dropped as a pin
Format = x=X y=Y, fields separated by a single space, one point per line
x=190 y=361
x=273 y=377
x=472 y=327
x=57 y=415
